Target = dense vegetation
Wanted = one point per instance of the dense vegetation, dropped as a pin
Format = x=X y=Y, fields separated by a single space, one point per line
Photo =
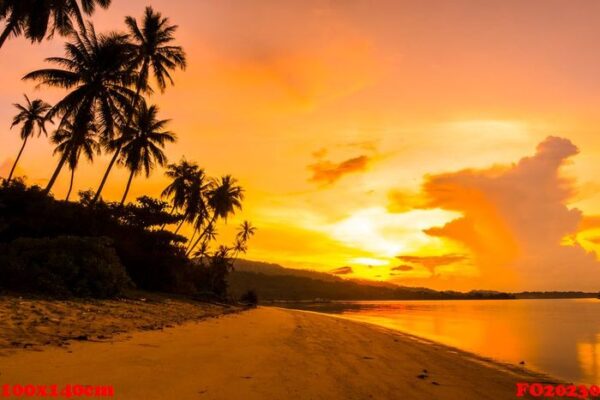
x=91 y=247
x=49 y=246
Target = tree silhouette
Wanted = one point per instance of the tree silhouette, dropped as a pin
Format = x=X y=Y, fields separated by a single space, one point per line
x=72 y=141
x=181 y=174
x=142 y=143
x=37 y=19
x=223 y=200
x=33 y=117
x=96 y=72
x=150 y=49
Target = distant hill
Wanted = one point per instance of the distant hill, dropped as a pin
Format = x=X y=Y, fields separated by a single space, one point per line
x=556 y=295
x=276 y=269
x=274 y=282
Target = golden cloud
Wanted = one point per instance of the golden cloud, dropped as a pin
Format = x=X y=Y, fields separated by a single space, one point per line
x=327 y=172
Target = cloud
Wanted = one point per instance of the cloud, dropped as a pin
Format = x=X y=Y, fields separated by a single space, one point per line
x=342 y=271
x=515 y=219
x=432 y=262
x=403 y=268
x=326 y=172
x=400 y=201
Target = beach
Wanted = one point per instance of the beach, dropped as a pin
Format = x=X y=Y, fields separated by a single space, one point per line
x=268 y=353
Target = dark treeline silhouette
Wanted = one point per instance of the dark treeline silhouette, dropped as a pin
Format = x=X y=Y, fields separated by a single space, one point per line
x=298 y=288
x=94 y=247
x=556 y=295
x=274 y=282
x=51 y=246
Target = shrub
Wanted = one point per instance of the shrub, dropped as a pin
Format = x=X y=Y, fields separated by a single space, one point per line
x=250 y=298
x=63 y=266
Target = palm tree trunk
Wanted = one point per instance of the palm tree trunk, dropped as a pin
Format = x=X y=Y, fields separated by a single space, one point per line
x=12 y=170
x=56 y=173
x=212 y=221
x=127 y=188
x=70 y=184
x=192 y=239
x=105 y=177
x=162 y=228
x=118 y=150
x=179 y=226
x=7 y=31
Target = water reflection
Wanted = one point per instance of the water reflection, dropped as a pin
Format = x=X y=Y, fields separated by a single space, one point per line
x=559 y=337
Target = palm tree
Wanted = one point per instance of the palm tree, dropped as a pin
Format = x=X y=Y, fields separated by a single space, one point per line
x=181 y=175
x=195 y=204
x=95 y=70
x=151 y=49
x=142 y=143
x=246 y=231
x=223 y=201
x=37 y=19
x=72 y=141
x=32 y=116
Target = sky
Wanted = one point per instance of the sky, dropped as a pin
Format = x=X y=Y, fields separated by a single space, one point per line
x=452 y=145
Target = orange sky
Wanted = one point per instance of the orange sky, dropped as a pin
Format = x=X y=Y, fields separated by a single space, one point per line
x=406 y=140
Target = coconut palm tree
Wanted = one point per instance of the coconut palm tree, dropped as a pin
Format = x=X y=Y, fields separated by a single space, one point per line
x=95 y=70
x=195 y=205
x=246 y=231
x=223 y=200
x=151 y=50
x=37 y=19
x=142 y=143
x=181 y=175
x=33 y=117
x=72 y=141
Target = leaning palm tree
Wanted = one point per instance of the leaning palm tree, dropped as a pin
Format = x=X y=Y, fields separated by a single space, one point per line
x=196 y=207
x=151 y=50
x=37 y=19
x=95 y=70
x=33 y=116
x=72 y=141
x=181 y=175
x=223 y=201
x=143 y=142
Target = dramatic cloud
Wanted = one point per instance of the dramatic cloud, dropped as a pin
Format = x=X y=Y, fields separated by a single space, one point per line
x=327 y=172
x=515 y=220
x=342 y=271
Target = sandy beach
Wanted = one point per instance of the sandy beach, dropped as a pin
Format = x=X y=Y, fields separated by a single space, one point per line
x=268 y=353
x=29 y=322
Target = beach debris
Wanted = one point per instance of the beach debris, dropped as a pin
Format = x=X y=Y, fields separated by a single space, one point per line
x=81 y=337
x=522 y=363
x=246 y=377
x=367 y=358
x=422 y=376
x=435 y=383
x=425 y=371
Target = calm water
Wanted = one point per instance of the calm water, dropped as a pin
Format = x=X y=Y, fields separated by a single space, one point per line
x=559 y=337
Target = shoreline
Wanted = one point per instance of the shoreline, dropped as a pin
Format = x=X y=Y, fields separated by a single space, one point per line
x=490 y=361
x=274 y=353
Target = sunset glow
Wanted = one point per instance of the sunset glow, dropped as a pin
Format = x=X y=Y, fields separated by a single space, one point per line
x=452 y=146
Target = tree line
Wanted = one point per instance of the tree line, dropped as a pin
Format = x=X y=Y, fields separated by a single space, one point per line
x=109 y=80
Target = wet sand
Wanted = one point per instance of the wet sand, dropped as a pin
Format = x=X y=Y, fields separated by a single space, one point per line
x=268 y=353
